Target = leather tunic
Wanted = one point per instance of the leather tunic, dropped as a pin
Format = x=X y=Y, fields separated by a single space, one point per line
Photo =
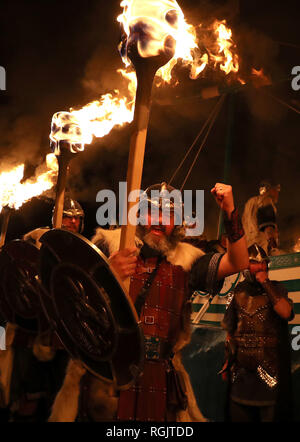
x=257 y=334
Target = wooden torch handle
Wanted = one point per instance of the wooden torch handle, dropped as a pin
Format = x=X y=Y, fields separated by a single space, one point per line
x=63 y=165
x=136 y=154
x=4 y=226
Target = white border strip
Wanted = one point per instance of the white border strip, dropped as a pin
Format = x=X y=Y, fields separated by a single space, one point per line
x=285 y=274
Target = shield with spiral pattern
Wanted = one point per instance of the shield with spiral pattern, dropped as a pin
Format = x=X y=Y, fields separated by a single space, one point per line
x=19 y=288
x=88 y=308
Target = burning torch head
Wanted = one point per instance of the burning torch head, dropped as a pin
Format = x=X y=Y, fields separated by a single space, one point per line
x=73 y=216
x=67 y=132
x=149 y=32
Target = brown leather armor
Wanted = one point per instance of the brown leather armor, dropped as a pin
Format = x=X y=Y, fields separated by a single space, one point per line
x=162 y=318
x=256 y=336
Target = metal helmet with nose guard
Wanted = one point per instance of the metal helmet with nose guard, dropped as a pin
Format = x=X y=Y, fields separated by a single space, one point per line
x=72 y=208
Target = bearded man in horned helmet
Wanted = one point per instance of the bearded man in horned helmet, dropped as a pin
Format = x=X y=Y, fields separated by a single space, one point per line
x=164 y=272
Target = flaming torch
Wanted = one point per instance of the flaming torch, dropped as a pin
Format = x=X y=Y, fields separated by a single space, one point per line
x=148 y=45
x=67 y=139
x=156 y=38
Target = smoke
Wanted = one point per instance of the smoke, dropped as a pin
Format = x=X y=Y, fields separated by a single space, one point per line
x=21 y=140
x=44 y=70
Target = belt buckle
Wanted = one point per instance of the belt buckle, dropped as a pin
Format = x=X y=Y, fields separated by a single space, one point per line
x=149 y=320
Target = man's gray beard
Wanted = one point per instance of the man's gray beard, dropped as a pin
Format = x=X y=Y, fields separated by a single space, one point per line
x=165 y=244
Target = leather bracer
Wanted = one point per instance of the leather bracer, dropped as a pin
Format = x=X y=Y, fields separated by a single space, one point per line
x=233 y=227
x=274 y=293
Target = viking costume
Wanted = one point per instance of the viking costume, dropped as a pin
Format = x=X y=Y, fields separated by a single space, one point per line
x=258 y=349
x=165 y=315
x=161 y=296
x=35 y=360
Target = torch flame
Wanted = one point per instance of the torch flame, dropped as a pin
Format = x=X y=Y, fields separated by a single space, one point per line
x=158 y=20
x=96 y=119
x=149 y=22
x=14 y=193
x=261 y=79
x=224 y=39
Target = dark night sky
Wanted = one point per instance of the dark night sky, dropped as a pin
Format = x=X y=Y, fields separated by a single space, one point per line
x=59 y=54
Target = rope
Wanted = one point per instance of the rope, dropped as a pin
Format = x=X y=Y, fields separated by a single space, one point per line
x=217 y=111
x=211 y=115
x=282 y=102
x=291 y=45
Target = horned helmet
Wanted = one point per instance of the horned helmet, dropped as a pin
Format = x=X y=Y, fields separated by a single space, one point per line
x=266 y=185
x=256 y=254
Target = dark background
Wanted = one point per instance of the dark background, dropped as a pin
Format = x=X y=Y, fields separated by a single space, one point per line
x=62 y=54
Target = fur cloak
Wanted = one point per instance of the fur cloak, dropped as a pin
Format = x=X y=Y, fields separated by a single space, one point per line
x=103 y=401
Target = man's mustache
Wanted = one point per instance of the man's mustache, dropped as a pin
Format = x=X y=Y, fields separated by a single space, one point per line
x=158 y=227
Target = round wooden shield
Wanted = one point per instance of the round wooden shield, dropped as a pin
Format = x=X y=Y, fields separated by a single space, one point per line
x=89 y=309
x=19 y=285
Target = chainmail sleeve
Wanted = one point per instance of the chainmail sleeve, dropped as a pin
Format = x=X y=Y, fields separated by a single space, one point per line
x=204 y=273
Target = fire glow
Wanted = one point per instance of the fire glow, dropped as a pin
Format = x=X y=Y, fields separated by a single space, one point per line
x=14 y=193
x=227 y=59
x=162 y=18
x=150 y=23
x=260 y=78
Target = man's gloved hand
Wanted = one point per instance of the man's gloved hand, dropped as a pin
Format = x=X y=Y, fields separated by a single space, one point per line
x=124 y=262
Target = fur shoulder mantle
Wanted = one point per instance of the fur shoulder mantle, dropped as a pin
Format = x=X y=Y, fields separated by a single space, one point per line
x=183 y=255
